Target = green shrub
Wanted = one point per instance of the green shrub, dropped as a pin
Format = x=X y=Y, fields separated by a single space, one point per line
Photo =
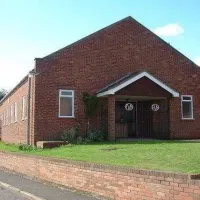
x=80 y=140
x=71 y=135
x=90 y=106
x=26 y=147
x=92 y=135
x=96 y=135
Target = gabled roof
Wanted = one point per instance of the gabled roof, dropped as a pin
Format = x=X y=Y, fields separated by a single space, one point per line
x=130 y=78
x=15 y=88
x=96 y=34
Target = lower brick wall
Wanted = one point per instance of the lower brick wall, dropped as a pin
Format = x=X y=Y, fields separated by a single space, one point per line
x=109 y=181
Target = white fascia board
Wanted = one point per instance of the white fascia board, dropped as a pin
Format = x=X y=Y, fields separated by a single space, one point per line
x=102 y=94
x=132 y=80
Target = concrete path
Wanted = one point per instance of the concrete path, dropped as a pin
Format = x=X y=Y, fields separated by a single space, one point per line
x=16 y=187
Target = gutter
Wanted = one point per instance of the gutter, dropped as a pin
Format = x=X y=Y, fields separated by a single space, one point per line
x=31 y=75
x=28 y=107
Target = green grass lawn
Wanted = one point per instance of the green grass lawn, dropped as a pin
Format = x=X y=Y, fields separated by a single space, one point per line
x=158 y=155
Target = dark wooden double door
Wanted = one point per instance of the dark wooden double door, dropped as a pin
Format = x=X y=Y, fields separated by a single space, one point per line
x=136 y=122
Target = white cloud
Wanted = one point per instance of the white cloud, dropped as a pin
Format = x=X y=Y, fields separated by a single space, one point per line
x=169 y=30
x=197 y=61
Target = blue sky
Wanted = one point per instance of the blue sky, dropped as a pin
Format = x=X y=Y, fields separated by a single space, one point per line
x=36 y=28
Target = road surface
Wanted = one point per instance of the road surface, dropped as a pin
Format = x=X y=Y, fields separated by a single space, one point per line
x=6 y=194
x=17 y=187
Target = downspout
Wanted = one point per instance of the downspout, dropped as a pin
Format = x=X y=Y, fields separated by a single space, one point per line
x=30 y=75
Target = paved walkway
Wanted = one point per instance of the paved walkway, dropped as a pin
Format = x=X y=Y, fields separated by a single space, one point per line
x=11 y=186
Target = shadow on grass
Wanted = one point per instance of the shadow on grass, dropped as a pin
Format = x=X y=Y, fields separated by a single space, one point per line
x=144 y=142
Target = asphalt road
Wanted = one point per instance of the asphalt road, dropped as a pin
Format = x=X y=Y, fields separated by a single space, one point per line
x=35 y=188
x=6 y=194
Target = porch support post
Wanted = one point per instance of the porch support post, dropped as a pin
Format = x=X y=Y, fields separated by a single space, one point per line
x=111 y=117
x=174 y=117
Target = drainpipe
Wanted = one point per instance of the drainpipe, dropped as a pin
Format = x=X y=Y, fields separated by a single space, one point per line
x=30 y=75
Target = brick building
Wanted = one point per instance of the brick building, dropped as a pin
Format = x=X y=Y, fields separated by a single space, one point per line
x=146 y=89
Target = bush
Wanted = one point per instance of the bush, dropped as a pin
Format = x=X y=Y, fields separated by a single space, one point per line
x=96 y=135
x=80 y=140
x=26 y=147
x=71 y=135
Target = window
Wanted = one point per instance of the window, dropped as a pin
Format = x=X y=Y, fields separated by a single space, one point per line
x=66 y=103
x=1 y=121
x=12 y=114
x=2 y=118
x=4 y=121
x=26 y=108
x=7 y=114
x=15 y=118
x=187 y=106
x=23 y=108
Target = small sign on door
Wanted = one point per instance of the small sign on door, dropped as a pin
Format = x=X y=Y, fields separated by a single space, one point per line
x=155 y=107
x=129 y=106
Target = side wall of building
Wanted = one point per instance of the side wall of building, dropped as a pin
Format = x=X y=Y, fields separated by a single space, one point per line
x=14 y=126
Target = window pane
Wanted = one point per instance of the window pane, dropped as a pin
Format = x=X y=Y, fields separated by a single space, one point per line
x=66 y=93
x=15 y=112
x=187 y=98
x=187 y=109
x=66 y=106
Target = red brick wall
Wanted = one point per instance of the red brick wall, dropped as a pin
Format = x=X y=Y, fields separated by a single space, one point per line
x=94 y=62
x=15 y=132
x=115 y=182
x=111 y=117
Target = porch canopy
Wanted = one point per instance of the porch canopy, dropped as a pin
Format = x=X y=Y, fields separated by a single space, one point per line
x=130 y=78
x=143 y=90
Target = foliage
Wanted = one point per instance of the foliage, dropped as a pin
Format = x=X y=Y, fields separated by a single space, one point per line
x=26 y=147
x=91 y=104
x=71 y=135
x=80 y=140
x=96 y=135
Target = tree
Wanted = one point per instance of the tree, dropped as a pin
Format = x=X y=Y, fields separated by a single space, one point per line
x=2 y=93
x=91 y=104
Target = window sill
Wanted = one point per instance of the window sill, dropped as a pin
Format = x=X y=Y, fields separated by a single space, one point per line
x=72 y=117
x=188 y=119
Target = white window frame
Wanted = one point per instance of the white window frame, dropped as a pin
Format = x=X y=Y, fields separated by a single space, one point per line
x=72 y=96
x=191 y=100
x=15 y=107
x=23 y=108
